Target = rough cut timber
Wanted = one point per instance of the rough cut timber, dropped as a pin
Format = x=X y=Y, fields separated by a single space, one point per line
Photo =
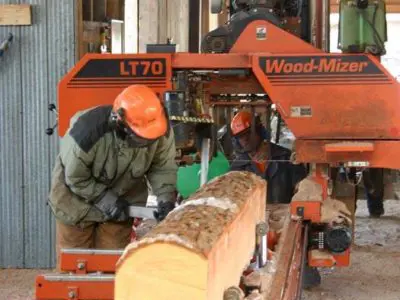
x=201 y=248
x=15 y=14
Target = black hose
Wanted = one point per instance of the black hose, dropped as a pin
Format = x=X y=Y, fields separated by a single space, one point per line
x=382 y=49
x=300 y=8
x=278 y=129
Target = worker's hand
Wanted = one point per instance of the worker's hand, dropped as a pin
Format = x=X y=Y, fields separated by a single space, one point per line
x=112 y=207
x=335 y=212
x=187 y=160
x=165 y=204
x=120 y=211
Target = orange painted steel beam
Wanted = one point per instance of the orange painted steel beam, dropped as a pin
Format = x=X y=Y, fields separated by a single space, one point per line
x=83 y=261
x=75 y=287
x=282 y=289
x=350 y=147
x=383 y=156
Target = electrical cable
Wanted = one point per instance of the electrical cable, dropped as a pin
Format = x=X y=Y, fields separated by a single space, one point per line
x=376 y=33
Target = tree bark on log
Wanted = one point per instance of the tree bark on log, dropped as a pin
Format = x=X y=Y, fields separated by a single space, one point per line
x=201 y=248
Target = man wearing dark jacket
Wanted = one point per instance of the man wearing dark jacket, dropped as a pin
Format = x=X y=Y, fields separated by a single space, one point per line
x=374 y=191
x=251 y=154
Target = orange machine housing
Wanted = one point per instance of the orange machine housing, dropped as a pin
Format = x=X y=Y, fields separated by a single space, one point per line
x=345 y=100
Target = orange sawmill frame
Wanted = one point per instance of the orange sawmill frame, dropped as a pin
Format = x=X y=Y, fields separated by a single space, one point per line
x=325 y=99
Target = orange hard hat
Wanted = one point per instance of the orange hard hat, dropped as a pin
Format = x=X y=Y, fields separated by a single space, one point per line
x=241 y=122
x=142 y=111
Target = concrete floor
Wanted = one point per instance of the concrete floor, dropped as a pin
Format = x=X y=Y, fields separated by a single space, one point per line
x=373 y=275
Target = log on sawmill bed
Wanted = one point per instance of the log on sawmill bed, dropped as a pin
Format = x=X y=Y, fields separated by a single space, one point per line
x=201 y=248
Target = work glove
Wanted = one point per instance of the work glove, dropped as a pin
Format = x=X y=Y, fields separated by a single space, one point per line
x=165 y=204
x=113 y=207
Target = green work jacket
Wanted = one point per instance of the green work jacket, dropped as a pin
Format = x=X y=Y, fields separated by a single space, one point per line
x=93 y=159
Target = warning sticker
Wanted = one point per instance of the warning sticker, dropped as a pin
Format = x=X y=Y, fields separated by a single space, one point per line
x=300 y=112
x=357 y=164
x=261 y=33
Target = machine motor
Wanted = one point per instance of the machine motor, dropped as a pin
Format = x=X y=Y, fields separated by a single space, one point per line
x=336 y=239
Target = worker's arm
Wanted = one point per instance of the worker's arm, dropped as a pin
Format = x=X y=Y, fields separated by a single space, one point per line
x=78 y=170
x=299 y=173
x=162 y=174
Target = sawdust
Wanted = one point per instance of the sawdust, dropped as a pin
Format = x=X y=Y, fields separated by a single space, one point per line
x=144 y=227
x=321 y=254
x=18 y=284
x=374 y=273
x=210 y=201
x=335 y=211
x=308 y=190
x=276 y=216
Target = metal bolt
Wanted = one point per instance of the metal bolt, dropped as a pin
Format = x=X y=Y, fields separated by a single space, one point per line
x=81 y=266
x=233 y=293
x=261 y=229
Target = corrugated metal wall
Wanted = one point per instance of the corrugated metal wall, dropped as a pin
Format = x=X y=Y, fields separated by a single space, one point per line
x=29 y=72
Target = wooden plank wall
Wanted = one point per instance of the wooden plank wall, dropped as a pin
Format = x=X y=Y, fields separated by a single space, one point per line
x=131 y=28
x=91 y=17
x=162 y=19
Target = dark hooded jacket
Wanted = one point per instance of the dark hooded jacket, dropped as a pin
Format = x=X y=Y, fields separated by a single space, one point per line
x=281 y=175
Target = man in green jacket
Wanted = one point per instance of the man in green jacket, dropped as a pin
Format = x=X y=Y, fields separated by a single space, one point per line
x=106 y=159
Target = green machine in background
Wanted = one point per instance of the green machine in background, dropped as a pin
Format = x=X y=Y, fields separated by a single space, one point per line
x=188 y=180
x=362 y=26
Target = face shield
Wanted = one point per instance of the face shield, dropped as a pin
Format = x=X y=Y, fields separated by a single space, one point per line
x=126 y=134
x=249 y=141
x=135 y=141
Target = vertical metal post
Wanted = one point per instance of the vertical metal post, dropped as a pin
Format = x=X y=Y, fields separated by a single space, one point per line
x=194 y=26
x=326 y=25
x=315 y=22
x=320 y=24
x=261 y=244
x=205 y=155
